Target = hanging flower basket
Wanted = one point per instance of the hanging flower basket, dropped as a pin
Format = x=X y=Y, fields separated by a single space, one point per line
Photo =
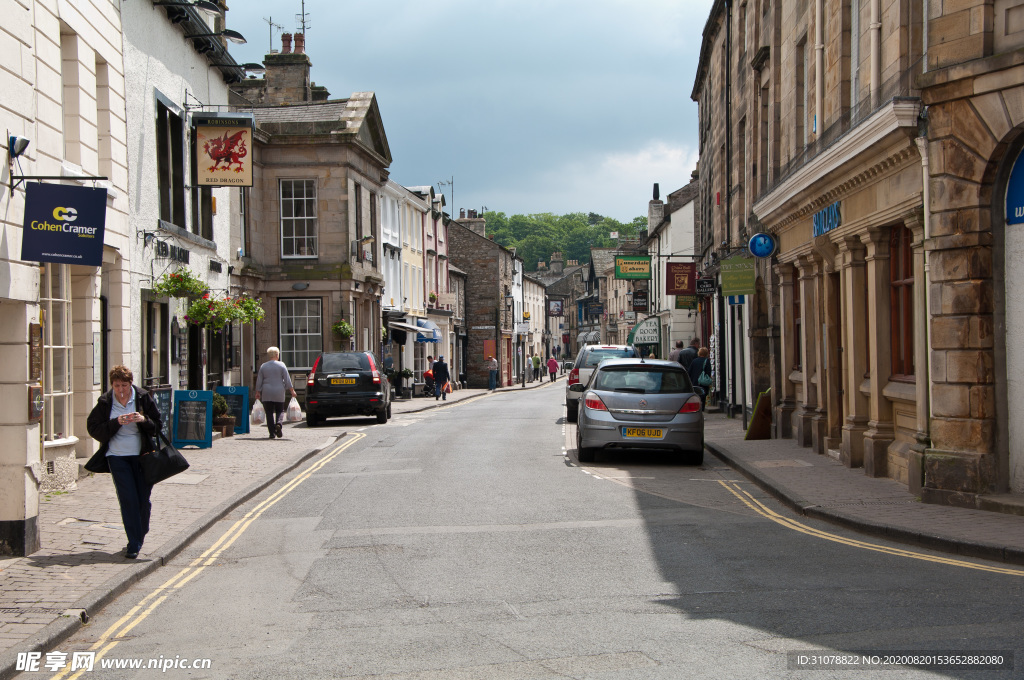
x=218 y=312
x=343 y=329
x=180 y=284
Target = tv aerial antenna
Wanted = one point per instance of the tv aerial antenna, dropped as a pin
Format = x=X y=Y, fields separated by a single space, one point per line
x=270 y=20
x=302 y=20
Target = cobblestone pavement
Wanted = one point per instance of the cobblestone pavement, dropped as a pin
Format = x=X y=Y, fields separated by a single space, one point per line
x=81 y=565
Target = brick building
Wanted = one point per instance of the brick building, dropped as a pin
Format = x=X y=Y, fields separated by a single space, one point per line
x=489 y=309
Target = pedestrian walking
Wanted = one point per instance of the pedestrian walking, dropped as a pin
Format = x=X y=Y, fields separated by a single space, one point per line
x=125 y=421
x=492 y=366
x=674 y=354
x=552 y=369
x=271 y=383
x=700 y=375
x=687 y=356
x=536 y=366
x=441 y=378
x=428 y=376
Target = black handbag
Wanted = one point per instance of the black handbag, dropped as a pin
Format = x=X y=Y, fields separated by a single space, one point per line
x=98 y=463
x=166 y=461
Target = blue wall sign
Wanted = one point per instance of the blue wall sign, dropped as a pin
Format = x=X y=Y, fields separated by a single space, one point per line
x=1015 y=193
x=828 y=219
x=762 y=245
x=193 y=418
x=64 y=224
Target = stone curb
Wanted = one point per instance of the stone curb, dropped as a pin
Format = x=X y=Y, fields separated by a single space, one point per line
x=794 y=501
x=60 y=630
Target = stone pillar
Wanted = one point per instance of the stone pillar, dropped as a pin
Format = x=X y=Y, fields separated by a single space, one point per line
x=856 y=329
x=813 y=325
x=808 y=350
x=880 y=432
x=788 y=346
x=915 y=472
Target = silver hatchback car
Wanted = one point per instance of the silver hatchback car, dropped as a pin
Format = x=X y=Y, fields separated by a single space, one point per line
x=640 y=404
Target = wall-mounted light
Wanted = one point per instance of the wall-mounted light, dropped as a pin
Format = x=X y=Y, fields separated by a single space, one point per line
x=16 y=146
x=251 y=66
x=233 y=36
x=302 y=285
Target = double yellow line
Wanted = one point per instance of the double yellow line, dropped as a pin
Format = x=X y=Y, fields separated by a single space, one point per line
x=145 y=607
x=764 y=511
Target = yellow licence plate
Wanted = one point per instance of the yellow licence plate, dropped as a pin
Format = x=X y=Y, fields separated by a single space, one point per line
x=343 y=381
x=642 y=432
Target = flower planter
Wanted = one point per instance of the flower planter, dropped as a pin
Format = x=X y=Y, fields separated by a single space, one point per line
x=226 y=425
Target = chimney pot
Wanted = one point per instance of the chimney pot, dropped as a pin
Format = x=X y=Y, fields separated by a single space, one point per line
x=286 y=43
x=300 y=43
x=462 y=213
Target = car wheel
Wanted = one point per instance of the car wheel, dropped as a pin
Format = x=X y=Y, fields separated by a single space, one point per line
x=311 y=420
x=695 y=457
x=571 y=412
x=382 y=415
x=585 y=455
x=389 y=410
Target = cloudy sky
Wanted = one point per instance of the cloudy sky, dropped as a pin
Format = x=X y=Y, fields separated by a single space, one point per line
x=529 y=105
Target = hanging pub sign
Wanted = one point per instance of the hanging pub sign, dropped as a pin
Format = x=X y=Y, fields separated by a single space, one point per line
x=633 y=267
x=64 y=224
x=556 y=308
x=1015 y=193
x=738 y=276
x=680 y=278
x=705 y=286
x=640 y=301
x=762 y=245
x=223 y=150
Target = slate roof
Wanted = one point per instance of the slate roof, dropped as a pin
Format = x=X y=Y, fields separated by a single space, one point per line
x=303 y=113
x=602 y=259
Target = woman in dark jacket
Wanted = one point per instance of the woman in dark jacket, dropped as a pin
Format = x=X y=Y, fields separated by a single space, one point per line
x=124 y=421
x=700 y=364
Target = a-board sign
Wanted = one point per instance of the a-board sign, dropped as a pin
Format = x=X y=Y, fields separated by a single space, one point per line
x=193 y=418
x=162 y=396
x=238 y=406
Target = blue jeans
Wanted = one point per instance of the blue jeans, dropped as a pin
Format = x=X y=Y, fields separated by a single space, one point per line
x=492 y=381
x=133 y=497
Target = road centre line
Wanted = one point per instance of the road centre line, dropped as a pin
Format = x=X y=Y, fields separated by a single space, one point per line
x=109 y=640
x=764 y=511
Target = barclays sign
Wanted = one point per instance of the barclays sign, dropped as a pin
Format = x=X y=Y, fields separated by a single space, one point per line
x=828 y=219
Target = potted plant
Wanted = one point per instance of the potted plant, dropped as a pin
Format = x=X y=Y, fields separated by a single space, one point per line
x=406 y=376
x=343 y=329
x=433 y=297
x=181 y=283
x=222 y=419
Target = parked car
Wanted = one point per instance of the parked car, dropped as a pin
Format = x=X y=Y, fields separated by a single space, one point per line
x=586 y=361
x=640 y=404
x=346 y=384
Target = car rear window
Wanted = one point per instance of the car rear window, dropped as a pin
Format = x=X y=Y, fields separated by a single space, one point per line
x=643 y=380
x=596 y=356
x=349 y=361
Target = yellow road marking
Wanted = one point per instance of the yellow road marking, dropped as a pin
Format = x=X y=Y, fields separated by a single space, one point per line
x=764 y=511
x=111 y=636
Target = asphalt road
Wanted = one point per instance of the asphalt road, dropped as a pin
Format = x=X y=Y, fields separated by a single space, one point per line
x=466 y=542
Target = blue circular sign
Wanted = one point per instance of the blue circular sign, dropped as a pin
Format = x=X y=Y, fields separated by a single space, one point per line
x=762 y=245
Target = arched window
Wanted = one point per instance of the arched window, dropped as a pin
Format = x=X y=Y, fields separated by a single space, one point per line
x=901 y=288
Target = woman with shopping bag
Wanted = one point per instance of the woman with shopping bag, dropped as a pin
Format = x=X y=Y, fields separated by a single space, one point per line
x=271 y=383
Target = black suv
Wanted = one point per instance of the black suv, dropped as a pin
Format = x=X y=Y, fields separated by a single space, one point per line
x=346 y=384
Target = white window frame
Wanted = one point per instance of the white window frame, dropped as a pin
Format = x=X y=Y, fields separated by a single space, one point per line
x=58 y=352
x=306 y=220
x=310 y=334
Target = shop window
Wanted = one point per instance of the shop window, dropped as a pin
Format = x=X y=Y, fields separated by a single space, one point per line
x=55 y=304
x=301 y=331
x=298 y=218
x=901 y=287
x=155 y=345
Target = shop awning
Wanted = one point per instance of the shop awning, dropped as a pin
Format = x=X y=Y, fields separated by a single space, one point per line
x=592 y=336
x=428 y=331
x=402 y=326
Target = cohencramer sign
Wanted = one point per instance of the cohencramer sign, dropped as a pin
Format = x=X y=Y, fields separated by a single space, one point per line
x=64 y=224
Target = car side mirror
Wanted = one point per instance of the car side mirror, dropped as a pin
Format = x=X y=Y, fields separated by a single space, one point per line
x=578 y=387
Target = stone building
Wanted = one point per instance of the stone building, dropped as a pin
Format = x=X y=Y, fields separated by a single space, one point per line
x=313 y=223
x=490 y=311
x=874 y=141
x=63 y=324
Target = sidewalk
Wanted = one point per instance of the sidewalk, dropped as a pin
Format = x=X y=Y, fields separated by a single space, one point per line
x=823 y=488
x=45 y=597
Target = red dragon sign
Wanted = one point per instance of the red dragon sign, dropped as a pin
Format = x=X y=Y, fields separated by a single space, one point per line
x=223 y=159
x=228 y=150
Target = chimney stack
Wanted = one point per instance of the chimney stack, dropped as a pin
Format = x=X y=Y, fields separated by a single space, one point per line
x=557 y=263
x=462 y=213
x=286 y=43
x=300 y=44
